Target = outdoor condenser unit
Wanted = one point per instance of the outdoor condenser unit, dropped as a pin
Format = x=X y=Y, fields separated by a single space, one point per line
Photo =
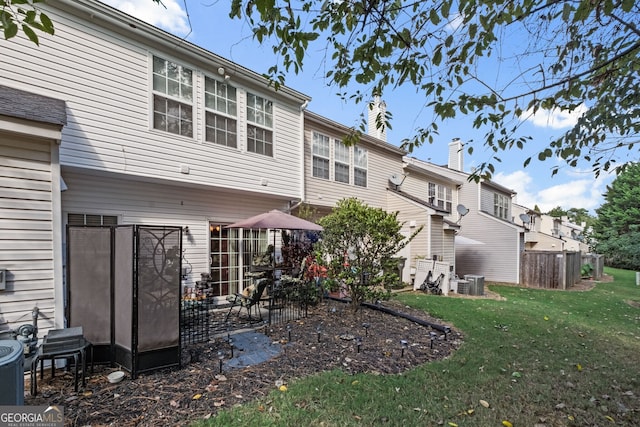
x=11 y=373
x=3 y=279
x=476 y=284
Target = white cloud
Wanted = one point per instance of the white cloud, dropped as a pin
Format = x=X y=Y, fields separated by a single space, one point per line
x=555 y=119
x=577 y=193
x=170 y=17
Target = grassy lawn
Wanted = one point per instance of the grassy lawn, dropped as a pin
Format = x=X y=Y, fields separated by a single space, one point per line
x=538 y=358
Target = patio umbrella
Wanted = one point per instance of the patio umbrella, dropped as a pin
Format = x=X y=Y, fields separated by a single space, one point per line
x=276 y=219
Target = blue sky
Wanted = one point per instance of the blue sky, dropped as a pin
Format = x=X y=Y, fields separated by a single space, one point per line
x=206 y=24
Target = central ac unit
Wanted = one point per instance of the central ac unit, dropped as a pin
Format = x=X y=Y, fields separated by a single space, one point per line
x=11 y=373
x=476 y=284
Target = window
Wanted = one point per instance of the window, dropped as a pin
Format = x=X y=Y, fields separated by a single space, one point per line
x=500 y=206
x=220 y=113
x=224 y=259
x=259 y=125
x=441 y=196
x=360 y=166
x=341 y=155
x=84 y=219
x=172 y=97
x=321 y=154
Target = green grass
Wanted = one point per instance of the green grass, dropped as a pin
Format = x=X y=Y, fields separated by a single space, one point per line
x=552 y=358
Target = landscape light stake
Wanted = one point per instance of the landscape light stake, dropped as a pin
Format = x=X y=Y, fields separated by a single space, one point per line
x=289 y=332
x=220 y=358
x=366 y=326
x=403 y=344
x=319 y=331
x=358 y=343
x=231 y=345
x=433 y=337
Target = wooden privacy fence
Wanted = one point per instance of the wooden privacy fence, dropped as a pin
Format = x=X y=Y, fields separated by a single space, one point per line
x=550 y=270
x=597 y=262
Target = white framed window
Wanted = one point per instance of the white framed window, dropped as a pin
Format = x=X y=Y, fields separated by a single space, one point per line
x=172 y=97
x=441 y=196
x=221 y=123
x=360 y=166
x=341 y=162
x=259 y=125
x=500 y=206
x=321 y=153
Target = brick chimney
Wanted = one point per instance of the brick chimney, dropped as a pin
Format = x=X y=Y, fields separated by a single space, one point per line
x=456 y=155
x=379 y=108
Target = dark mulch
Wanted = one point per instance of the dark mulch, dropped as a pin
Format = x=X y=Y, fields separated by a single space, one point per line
x=198 y=390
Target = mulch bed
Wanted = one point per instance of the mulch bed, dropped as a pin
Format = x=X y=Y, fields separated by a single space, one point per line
x=198 y=390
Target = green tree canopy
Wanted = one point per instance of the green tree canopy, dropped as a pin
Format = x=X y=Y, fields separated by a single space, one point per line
x=497 y=61
x=617 y=226
x=358 y=246
x=16 y=15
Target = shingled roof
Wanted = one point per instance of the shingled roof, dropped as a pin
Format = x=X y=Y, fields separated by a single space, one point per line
x=30 y=106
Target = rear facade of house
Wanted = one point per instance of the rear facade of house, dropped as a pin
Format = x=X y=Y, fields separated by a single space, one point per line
x=158 y=132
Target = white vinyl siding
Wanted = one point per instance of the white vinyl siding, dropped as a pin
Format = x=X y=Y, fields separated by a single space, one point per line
x=172 y=97
x=259 y=125
x=27 y=230
x=321 y=154
x=221 y=113
x=110 y=121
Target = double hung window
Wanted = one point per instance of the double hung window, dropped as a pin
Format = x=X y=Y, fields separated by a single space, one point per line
x=500 y=206
x=341 y=163
x=259 y=125
x=360 y=166
x=441 y=196
x=221 y=113
x=321 y=153
x=172 y=97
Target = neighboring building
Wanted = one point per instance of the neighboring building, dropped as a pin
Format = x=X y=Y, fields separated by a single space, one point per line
x=543 y=232
x=30 y=230
x=335 y=171
x=488 y=242
x=372 y=171
x=434 y=197
x=160 y=132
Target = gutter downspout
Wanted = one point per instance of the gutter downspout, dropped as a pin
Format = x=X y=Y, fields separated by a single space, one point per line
x=303 y=181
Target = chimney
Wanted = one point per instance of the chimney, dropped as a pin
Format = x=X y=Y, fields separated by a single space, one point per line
x=456 y=155
x=379 y=108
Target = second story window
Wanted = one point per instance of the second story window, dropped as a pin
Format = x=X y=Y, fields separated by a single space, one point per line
x=221 y=113
x=172 y=97
x=321 y=154
x=441 y=196
x=360 y=166
x=500 y=206
x=259 y=125
x=341 y=162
